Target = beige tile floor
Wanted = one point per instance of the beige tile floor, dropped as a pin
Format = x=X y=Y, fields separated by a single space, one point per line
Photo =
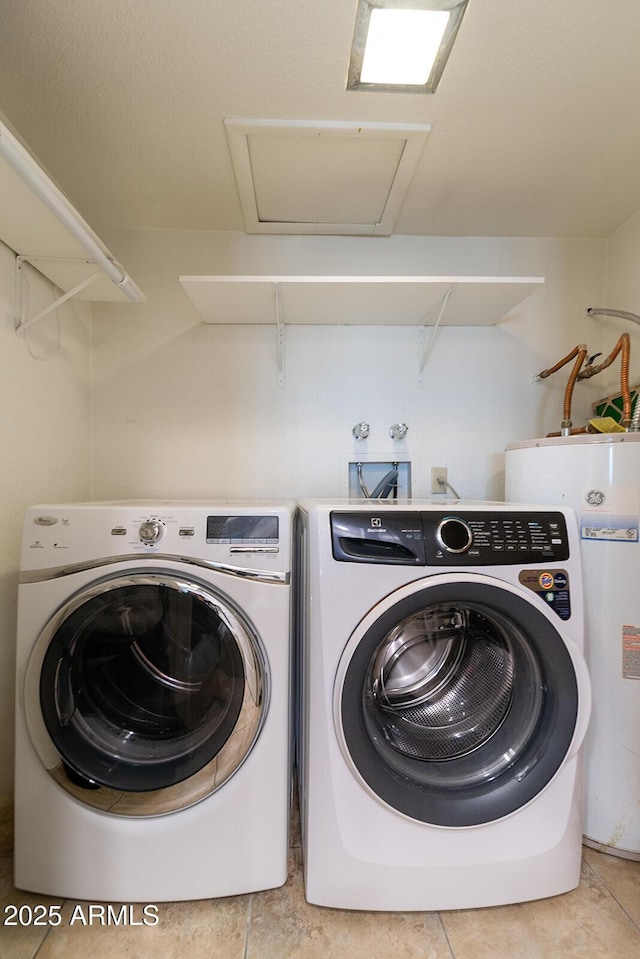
x=598 y=920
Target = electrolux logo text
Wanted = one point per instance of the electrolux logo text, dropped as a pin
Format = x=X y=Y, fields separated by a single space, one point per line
x=376 y=525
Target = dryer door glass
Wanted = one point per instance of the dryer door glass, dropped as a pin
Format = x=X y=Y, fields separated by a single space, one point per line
x=154 y=686
x=458 y=704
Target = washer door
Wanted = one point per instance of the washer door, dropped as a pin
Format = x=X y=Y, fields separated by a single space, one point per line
x=457 y=701
x=145 y=693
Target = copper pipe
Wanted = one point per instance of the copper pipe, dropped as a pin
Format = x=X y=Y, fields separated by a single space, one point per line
x=572 y=432
x=622 y=346
x=563 y=362
x=580 y=353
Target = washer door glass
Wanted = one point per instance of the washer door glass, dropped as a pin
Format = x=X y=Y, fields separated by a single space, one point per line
x=151 y=687
x=457 y=704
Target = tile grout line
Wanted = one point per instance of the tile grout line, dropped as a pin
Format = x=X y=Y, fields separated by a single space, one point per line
x=48 y=932
x=610 y=892
x=446 y=935
x=245 y=951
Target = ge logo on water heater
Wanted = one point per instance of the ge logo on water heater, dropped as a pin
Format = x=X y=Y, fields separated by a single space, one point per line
x=595 y=497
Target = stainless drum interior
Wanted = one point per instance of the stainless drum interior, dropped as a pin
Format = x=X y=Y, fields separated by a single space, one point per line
x=442 y=682
x=456 y=700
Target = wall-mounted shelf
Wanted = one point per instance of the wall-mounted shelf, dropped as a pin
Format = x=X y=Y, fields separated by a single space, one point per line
x=355 y=300
x=41 y=226
x=358 y=300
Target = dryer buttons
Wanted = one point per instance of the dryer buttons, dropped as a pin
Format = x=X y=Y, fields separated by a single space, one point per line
x=454 y=535
x=151 y=531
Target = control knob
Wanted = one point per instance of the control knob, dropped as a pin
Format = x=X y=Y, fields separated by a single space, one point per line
x=454 y=535
x=151 y=531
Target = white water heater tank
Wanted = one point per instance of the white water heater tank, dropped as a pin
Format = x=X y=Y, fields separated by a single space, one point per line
x=599 y=477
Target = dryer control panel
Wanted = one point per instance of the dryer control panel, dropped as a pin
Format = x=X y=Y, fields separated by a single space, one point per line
x=249 y=539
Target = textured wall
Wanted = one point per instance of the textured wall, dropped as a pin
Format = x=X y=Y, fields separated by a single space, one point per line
x=623 y=276
x=44 y=438
x=183 y=409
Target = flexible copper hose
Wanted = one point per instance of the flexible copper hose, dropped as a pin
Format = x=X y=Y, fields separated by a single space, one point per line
x=622 y=346
x=568 y=393
x=580 y=352
x=564 y=361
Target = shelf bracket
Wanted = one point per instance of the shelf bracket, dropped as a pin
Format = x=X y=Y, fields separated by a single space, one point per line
x=22 y=325
x=425 y=349
x=279 y=333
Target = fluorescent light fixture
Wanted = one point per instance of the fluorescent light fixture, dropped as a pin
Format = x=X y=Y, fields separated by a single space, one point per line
x=402 y=45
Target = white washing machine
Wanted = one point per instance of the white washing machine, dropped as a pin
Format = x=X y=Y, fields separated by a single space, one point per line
x=153 y=700
x=444 y=698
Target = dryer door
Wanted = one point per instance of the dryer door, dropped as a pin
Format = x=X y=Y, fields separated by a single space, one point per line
x=146 y=692
x=457 y=699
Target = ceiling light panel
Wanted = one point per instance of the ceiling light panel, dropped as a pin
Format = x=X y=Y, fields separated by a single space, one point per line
x=402 y=45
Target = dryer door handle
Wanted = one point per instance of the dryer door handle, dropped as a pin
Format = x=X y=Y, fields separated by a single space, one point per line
x=255 y=549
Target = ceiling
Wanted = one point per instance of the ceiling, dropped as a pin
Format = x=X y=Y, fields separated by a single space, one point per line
x=535 y=127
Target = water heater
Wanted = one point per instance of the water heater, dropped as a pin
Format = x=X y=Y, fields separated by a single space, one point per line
x=599 y=477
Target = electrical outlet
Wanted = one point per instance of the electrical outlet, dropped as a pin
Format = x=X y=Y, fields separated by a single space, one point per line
x=439 y=479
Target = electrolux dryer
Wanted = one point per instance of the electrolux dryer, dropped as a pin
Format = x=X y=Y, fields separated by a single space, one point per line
x=153 y=700
x=444 y=699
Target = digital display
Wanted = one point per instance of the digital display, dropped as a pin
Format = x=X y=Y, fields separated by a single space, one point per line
x=242 y=529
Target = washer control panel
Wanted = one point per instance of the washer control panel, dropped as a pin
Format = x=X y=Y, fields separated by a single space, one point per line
x=458 y=538
x=487 y=538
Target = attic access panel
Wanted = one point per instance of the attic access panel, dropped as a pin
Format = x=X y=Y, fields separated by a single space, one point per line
x=305 y=177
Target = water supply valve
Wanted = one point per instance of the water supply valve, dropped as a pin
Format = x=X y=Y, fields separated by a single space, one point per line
x=398 y=431
x=361 y=431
